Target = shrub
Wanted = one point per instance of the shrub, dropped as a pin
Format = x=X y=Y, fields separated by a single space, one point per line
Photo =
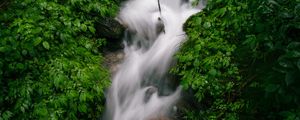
x=241 y=60
x=50 y=59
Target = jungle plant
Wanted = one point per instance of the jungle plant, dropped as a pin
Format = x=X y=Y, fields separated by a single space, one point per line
x=51 y=64
x=241 y=60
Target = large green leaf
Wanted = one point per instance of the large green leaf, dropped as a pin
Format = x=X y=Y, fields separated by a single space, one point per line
x=271 y=88
x=46 y=45
x=37 y=41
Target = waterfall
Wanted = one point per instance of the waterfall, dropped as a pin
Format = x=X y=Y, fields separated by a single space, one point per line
x=140 y=88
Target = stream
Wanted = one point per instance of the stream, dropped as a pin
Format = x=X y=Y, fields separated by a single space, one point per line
x=140 y=88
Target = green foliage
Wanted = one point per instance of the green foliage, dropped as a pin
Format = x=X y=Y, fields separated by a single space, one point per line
x=50 y=59
x=242 y=60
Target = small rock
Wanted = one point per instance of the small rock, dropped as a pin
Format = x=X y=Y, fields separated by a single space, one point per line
x=113 y=60
x=120 y=56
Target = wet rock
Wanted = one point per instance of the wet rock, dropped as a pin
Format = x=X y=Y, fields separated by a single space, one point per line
x=112 y=59
x=110 y=29
x=120 y=55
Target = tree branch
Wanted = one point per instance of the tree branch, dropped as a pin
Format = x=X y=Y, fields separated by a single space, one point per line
x=158 y=2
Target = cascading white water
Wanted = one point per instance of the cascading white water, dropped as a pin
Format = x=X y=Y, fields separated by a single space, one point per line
x=139 y=88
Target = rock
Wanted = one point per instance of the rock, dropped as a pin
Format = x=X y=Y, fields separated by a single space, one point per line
x=112 y=60
x=120 y=55
x=110 y=29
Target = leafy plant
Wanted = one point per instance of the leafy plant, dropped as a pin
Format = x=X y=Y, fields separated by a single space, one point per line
x=50 y=59
x=241 y=60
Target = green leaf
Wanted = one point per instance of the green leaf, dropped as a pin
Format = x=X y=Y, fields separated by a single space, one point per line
x=271 y=88
x=7 y=115
x=82 y=97
x=3 y=49
x=88 y=46
x=46 y=45
x=293 y=45
x=198 y=47
x=273 y=2
x=293 y=54
x=213 y=72
x=22 y=109
x=37 y=41
x=289 y=78
x=24 y=52
x=289 y=115
x=77 y=23
x=92 y=29
x=206 y=24
x=83 y=27
x=82 y=108
x=285 y=63
x=57 y=81
x=20 y=66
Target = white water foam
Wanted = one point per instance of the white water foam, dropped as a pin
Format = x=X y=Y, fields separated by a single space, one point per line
x=139 y=90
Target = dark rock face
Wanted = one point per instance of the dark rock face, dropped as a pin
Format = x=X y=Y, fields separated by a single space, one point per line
x=110 y=29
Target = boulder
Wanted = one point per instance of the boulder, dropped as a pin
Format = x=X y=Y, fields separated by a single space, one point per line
x=110 y=29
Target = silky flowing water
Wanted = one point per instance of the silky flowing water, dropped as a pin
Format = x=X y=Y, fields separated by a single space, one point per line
x=140 y=88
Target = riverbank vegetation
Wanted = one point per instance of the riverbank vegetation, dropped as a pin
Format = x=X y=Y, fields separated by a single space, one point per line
x=241 y=59
x=51 y=64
